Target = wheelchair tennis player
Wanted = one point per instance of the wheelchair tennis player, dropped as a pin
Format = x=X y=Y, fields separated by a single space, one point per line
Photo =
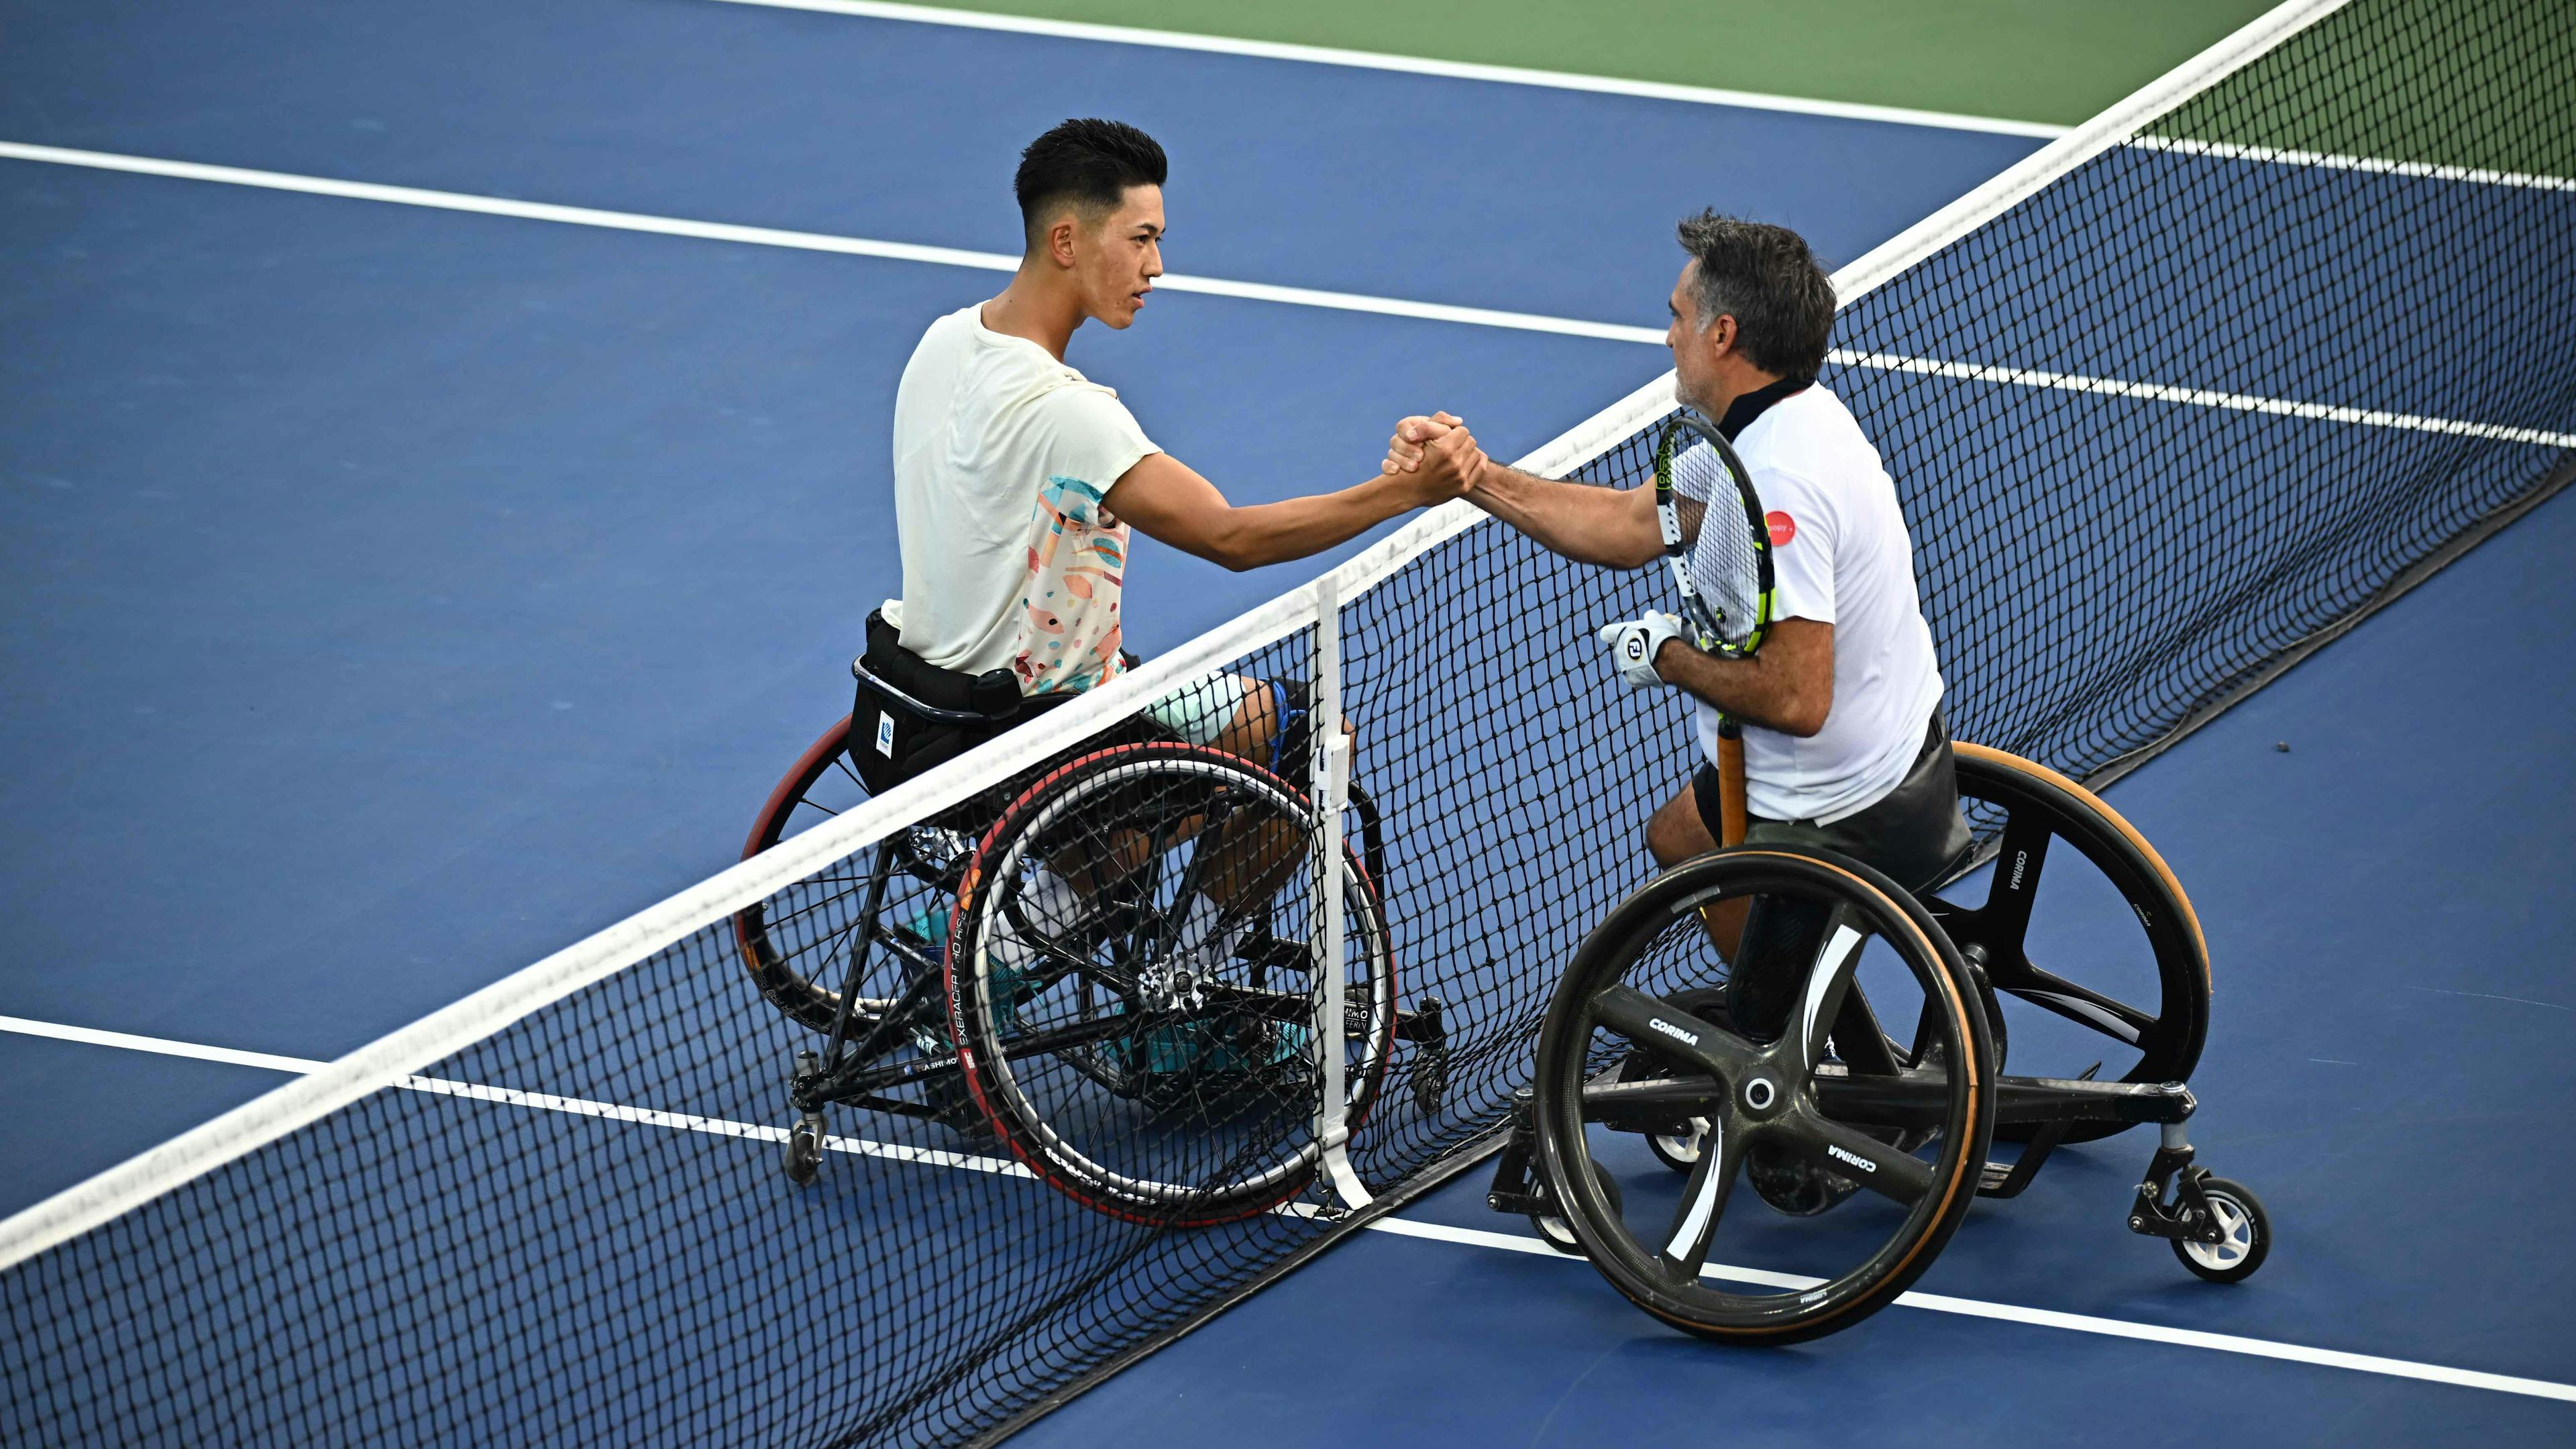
x=1844 y=744
x=1018 y=486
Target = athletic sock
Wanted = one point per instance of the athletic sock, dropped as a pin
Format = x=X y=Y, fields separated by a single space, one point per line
x=1207 y=941
x=1051 y=905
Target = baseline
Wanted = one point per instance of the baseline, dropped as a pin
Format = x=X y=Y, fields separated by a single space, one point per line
x=1408 y=65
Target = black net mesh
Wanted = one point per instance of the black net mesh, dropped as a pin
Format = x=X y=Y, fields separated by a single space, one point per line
x=2207 y=394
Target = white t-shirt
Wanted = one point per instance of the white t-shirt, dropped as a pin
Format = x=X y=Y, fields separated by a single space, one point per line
x=1001 y=457
x=1840 y=556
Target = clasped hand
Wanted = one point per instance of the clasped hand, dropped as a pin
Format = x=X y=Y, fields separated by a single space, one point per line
x=1436 y=454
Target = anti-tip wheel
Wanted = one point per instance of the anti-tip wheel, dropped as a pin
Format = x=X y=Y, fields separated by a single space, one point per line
x=1679 y=1152
x=2248 y=1229
x=1559 y=1234
x=803 y=1158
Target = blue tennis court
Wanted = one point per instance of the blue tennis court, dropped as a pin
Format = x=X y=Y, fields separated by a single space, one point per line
x=407 y=583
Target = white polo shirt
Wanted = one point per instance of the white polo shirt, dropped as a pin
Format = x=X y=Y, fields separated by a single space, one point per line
x=1841 y=556
x=1002 y=455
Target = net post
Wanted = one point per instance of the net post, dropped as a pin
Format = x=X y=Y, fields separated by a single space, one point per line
x=1331 y=778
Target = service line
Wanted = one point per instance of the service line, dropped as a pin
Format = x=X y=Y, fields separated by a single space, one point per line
x=511 y=207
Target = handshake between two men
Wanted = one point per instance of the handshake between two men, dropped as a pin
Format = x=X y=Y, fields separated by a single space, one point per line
x=1608 y=527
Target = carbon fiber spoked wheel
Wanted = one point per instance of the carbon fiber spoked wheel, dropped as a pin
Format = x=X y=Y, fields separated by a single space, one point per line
x=2079 y=918
x=1689 y=1249
x=1134 y=988
x=799 y=944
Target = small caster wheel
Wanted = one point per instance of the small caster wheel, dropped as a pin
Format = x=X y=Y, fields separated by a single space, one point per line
x=804 y=1156
x=1557 y=1233
x=1680 y=1153
x=2248 y=1229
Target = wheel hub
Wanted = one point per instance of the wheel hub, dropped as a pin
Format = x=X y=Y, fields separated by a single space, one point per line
x=1169 y=987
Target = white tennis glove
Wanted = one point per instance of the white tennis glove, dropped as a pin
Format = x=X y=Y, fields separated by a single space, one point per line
x=1634 y=644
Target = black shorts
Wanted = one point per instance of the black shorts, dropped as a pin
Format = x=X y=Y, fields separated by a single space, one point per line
x=1914 y=833
x=890 y=744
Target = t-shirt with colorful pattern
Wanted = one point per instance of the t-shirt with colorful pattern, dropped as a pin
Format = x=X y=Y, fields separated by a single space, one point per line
x=1069 y=625
x=1002 y=455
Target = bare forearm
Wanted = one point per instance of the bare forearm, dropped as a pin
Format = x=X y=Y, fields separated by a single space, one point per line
x=1267 y=533
x=1778 y=689
x=1606 y=526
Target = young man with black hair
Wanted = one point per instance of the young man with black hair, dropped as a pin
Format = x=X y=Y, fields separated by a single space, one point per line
x=1017 y=482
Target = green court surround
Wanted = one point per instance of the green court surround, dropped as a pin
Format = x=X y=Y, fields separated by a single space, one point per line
x=2024 y=60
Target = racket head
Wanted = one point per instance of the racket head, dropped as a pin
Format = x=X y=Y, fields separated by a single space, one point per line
x=1716 y=542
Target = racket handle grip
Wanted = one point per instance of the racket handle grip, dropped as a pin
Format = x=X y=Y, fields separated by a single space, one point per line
x=1730 y=785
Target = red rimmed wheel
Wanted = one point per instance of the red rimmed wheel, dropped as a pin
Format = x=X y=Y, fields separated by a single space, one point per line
x=798 y=944
x=1132 y=983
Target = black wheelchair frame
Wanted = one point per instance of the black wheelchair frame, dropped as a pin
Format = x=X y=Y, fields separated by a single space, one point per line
x=1675 y=1069
x=862 y=1061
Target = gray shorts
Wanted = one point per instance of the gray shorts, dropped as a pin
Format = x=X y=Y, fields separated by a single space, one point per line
x=1914 y=833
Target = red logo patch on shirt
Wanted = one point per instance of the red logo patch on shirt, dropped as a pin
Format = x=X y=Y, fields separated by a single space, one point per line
x=1783 y=527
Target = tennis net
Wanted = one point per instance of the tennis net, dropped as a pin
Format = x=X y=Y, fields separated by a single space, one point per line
x=2170 y=403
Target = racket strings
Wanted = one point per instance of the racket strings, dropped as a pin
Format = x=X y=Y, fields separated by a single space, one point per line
x=1716 y=524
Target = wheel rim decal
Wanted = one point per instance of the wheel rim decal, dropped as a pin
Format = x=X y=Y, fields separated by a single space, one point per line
x=1695 y=1224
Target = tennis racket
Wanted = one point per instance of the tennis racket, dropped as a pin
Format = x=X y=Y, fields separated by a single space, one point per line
x=1718 y=546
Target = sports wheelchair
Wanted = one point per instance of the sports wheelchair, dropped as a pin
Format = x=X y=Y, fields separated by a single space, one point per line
x=1885 y=1081
x=1143 y=1042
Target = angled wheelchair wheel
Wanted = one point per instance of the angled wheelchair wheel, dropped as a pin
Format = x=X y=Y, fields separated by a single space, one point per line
x=1132 y=984
x=2078 y=917
x=1624 y=1054
x=801 y=945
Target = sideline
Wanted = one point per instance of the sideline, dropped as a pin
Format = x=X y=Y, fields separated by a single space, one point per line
x=1410 y=65
x=1400 y=1227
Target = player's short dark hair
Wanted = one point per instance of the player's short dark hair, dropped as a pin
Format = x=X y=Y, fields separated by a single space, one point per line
x=1090 y=163
x=1770 y=283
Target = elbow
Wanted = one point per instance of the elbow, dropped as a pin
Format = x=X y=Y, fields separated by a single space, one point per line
x=1233 y=548
x=1805 y=717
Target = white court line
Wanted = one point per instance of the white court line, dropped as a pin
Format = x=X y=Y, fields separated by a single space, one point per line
x=2197 y=397
x=539 y=1101
x=1410 y=65
x=2049 y=1318
x=1244 y=291
x=159 y=1046
x=2477 y=175
x=1400 y=1227
x=798 y=240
